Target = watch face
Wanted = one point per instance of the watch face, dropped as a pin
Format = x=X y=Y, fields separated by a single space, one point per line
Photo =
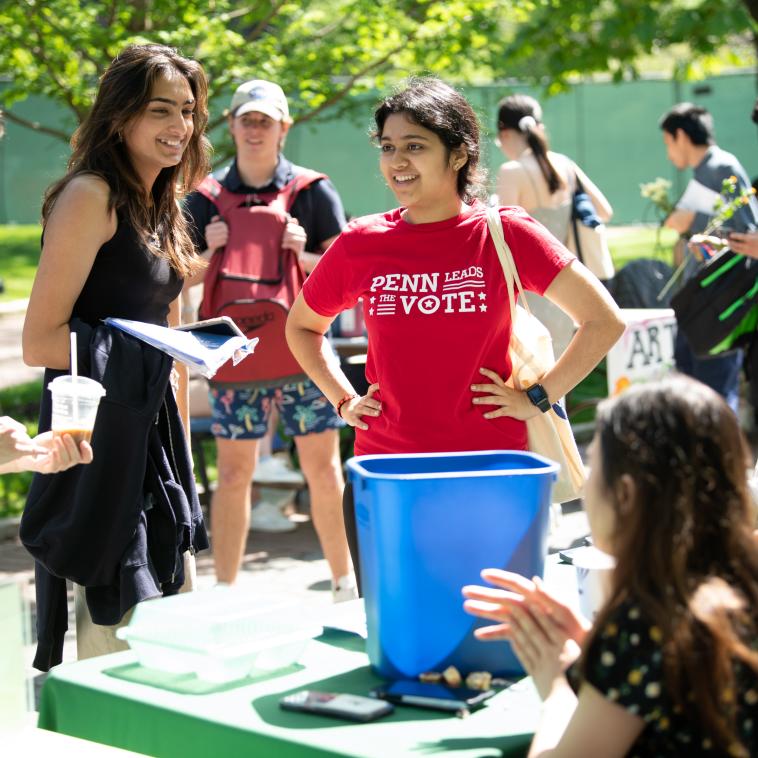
x=537 y=395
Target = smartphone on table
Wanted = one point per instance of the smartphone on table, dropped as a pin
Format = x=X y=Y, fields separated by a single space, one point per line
x=337 y=705
x=435 y=696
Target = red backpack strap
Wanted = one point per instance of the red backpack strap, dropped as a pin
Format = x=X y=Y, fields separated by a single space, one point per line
x=210 y=187
x=220 y=196
x=304 y=178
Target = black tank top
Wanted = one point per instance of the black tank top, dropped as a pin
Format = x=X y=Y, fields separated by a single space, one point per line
x=127 y=281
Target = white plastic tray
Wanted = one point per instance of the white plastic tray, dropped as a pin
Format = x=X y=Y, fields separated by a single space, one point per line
x=220 y=635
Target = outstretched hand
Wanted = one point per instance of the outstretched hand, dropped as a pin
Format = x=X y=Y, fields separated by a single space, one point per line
x=541 y=646
x=62 y=453
x=15 y=442
x=45 y=454
x=356 y=408
x=545 y=634
x=511 y=402
x=518 y=591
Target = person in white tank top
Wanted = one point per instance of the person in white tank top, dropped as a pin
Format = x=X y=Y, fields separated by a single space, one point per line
x=542 y=182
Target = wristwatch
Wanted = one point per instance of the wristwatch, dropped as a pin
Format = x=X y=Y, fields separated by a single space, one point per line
x=537 y=396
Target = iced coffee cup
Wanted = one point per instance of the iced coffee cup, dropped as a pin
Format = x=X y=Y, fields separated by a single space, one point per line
x=75 y=402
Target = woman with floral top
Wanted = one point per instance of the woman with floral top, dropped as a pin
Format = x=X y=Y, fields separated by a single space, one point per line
x=670 y=666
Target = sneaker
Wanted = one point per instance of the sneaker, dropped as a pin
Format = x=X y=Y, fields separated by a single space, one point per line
x=266 y=517
x=274 y=470
x=344 y=589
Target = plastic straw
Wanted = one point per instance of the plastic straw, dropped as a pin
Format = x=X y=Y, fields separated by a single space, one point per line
x=74 y=375
x=74 y=372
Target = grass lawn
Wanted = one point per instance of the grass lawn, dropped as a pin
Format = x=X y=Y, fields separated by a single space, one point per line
x=19 y=255
x=630 y=242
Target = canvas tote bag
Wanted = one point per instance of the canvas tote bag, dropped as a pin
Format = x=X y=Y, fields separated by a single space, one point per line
x=531 y=354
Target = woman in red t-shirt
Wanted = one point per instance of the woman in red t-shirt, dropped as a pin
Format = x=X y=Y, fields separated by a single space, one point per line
x=434 y=295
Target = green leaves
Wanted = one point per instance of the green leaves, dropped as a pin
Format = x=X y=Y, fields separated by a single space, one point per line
x=728 y=203
x=566 y=38
x=322 y=51
x=318 y=50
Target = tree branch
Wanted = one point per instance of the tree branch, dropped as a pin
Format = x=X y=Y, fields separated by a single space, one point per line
x=111 y=14
x=141 y=21
x=752 y=8
x=260 y=27
x=232 y=15
x=99 y=65
x=38 y=50
x=34 y=125
x=325 y=31
x=339 y=94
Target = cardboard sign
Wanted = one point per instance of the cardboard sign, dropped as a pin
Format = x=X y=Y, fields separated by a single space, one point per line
x=645 y=351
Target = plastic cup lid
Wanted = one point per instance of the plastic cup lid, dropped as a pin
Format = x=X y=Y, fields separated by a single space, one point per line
x=82 y=386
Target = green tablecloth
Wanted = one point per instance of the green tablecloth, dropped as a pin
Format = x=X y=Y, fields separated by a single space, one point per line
x=181 y=718
x=82 y=700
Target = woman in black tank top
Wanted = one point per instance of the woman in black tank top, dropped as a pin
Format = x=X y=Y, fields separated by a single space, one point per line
x=115 y=241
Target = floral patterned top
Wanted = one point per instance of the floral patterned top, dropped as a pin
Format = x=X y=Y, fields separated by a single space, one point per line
x=625 y=664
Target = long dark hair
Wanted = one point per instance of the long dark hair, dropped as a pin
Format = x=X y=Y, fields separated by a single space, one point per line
x=523 y=114
x=97 y=148
x=684 y=550
x=436 y=106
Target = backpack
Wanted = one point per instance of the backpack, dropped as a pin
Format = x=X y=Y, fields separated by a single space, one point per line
x=639 y=282
x=717 y=306
x=251 y=279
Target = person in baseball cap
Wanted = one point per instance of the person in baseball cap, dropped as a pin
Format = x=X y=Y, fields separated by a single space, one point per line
x=259 y=120
x=262 y=97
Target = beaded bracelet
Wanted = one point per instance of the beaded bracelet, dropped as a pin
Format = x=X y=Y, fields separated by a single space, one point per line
x=342 y=402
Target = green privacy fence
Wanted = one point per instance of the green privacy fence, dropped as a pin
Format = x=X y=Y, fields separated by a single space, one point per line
x=610 y=129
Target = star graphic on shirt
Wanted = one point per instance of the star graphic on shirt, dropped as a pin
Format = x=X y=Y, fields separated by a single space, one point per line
x=371 y=310
x=483 y=308
x=373 y=299
x=482 y=296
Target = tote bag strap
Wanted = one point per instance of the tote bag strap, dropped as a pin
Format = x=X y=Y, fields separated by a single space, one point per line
x=578 y=187
x=512 y=279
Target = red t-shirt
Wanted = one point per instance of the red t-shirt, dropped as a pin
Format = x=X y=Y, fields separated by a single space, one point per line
x=436 y=310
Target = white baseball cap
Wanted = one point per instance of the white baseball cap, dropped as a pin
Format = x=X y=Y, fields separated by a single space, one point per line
x=263 y=97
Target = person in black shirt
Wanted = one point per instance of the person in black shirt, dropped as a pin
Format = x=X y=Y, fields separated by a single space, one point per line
x=115 y=243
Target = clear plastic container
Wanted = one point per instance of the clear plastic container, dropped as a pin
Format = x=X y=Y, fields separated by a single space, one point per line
x=220 y=635
x=594 y=570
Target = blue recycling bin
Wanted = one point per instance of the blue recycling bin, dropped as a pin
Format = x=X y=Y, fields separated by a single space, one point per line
x=427 y=525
